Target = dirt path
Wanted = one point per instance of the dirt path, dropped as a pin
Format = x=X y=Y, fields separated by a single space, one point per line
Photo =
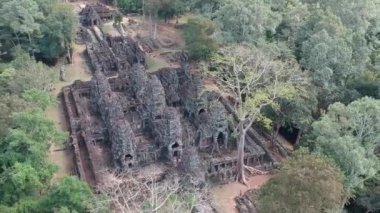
x=224 y=195
x=78 y=70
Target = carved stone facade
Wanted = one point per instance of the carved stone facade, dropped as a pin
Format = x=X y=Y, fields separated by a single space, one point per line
x=95 y=14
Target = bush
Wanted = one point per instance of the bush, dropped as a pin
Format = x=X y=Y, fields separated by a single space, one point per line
x=306 y=183
x=197 y=36
x=130 y=6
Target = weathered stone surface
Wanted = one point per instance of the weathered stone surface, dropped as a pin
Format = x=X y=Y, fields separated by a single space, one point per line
x=193 y=165
x=170 y=82
x=94 y=14
x=120 y=132
x=167 y=132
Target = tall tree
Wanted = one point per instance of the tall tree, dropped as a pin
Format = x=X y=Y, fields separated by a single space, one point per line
x=349 y=135
x=355 y=14
x=20 y=19
x=254 y=79
x=70 y=193
x=10 y=104
x=333 y=55
x=25 y=73
x=197 y=33
x=58 y=31
x=305 y=183
x=246 y=20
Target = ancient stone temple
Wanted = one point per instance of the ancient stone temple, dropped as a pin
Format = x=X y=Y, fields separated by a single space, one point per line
x=128 y=120
x=95 y=14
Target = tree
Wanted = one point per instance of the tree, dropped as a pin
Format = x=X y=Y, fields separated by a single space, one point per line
x=10 y=104
x=25 y=73
x=294 y=14
x=246 y=20
x=171 y=8
x=41 y=98
x=69 y=193
x=355 y=14
x=118 y=18
x=295 y=112
x=197 y=33
x=369 y=197
x=58 y=32
x=20 y=19
x=349 y=135
x=333 y=55
x=130 y=6
x=305 y=183
x=254 y=79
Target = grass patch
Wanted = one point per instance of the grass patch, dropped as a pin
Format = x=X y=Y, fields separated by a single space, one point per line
x=155 y=64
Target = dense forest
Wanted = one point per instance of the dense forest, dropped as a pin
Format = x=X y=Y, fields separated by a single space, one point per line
x=308 y=68
x=29 y=31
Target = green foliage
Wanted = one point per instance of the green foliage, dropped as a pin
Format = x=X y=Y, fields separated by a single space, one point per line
x=8 y=105
x=38 y=26
x=130 y=6
x=23 y=161
x=117 y=17
x=24 y=73
x=333 y=55
x=35 y=123
x=305 y=183
x=355 y=14
x=25 y=132
x=41 y=98
x=197 y=36
x=204 y=7
x=70 y=194
x=370 y=196
x=58 y=31
x=246 y=20
x=349 y=135
x=170 y=8
x=20 y=23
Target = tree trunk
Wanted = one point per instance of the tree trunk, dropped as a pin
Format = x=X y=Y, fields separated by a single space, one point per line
x=155 y=31
x=251 y=132
x=69 y=55
x=298 y=137
x=240 y=158
x=275 y=132
x=150 y=26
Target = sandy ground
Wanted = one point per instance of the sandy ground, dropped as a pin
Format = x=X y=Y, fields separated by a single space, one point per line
x=224 y=195
x=78 y=70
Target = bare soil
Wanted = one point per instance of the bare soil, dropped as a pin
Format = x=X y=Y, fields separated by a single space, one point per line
x=78 y=70
x=224 y=195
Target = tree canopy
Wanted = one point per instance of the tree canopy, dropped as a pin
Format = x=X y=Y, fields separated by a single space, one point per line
x=305 y=183
x=349 y=135
x=44 y=28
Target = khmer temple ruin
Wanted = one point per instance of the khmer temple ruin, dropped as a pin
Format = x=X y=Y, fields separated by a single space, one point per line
x=129 y=120
x=95 y=14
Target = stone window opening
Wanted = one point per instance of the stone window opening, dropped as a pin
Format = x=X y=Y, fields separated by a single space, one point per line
x=220 y=139
x=128 y=157
x=201 y=111
x=175 y=145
